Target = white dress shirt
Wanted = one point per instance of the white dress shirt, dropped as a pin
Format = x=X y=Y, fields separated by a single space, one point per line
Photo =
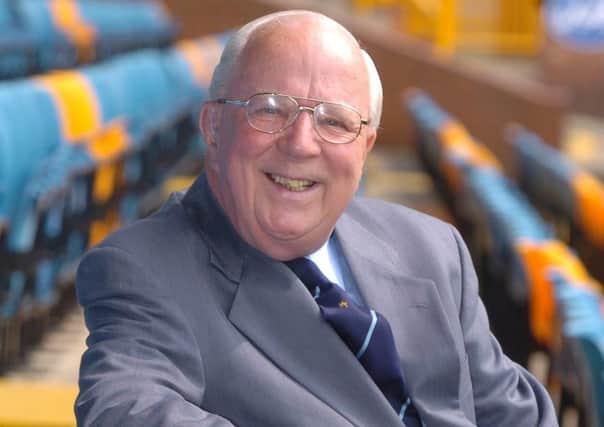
x=330 y=260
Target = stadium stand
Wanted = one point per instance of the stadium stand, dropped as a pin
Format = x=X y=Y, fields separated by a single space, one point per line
x=80 y=150
x=538 y=293
x=40 y=35
x=17 y=47
x=571 y=196
x=580 y=360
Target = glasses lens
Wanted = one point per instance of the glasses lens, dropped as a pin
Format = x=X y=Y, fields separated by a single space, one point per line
x=337 y=123
x=270 y=113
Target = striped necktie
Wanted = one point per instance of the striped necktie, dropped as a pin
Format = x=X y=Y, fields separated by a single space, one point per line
x=366 y=333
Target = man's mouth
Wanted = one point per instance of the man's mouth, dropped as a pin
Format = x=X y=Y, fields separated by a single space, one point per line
x=290 y=183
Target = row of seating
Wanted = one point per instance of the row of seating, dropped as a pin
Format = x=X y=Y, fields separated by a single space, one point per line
x=40 y=35
x=79 y=151
x=569 y=194
x=531 y=281
x=461 y=167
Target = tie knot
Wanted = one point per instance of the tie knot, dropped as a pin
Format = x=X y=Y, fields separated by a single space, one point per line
x=308 y=272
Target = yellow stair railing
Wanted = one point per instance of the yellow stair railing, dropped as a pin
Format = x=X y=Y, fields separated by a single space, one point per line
x=370 y=4
x=485 y=26
x=488 y=26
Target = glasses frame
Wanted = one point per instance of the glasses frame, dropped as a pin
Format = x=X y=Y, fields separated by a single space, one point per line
x=246 y=102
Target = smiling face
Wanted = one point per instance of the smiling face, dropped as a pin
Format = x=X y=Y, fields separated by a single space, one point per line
x=284 y=192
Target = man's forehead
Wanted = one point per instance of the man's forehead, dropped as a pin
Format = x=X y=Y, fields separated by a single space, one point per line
x=303 y=44
x=307 y=56
x=303 y=22
x=305 y=35
x=342 y=82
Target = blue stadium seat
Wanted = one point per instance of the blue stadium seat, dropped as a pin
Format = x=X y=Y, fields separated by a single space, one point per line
x=582 y=319
x=29 y=131
x=430 y=119
x=54 y=48
x=523 y=254
x=510 y=218
x=127 y=22
x=544 y=173
x=41 y=35
x=17 y=48
x=574 y=198
x=79 y=149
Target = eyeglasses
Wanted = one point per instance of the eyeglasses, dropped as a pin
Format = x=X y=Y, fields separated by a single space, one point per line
x=273 y=112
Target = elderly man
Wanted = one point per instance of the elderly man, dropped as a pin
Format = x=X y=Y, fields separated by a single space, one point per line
x=268 y=295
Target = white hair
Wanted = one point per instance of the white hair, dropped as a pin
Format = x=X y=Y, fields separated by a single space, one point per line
x=230 y=58
x=376 y=93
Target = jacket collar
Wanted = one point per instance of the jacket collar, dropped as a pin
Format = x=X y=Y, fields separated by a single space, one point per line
x=227 y=250
x=273 y=309
x=414 y=310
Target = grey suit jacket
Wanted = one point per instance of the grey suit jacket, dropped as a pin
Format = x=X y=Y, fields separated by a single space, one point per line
x=190 y=326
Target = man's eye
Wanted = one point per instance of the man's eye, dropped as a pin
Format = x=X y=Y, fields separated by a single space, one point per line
x=270 y=110
x=335 y=123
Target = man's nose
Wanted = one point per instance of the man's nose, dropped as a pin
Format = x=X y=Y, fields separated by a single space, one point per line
x=301 y=139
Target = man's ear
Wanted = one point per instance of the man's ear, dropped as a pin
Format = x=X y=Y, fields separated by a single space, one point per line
x=370 y=136
x=208 y=123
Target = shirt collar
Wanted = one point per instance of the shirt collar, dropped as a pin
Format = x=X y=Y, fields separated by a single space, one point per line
x=323 y=259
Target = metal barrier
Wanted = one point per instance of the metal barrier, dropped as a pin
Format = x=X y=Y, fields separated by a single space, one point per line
x=493 y=26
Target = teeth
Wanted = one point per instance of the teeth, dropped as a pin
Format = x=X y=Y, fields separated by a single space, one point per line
x=291 y=184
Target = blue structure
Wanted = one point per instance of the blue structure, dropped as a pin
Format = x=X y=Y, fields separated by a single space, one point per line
x=41 y=35
x=136 y=118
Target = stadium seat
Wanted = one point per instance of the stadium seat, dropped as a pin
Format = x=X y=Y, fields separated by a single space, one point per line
x=580 y=372
x=42 y=35
x=79 y=151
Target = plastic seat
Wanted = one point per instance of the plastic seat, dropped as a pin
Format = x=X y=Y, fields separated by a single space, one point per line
x=29 y=131
x=17 y=48
x=594 y=354
x=544 y=173
x=78 y=150
x=126 y=26
x=62 y=33
x=55 y=49
x=582 y=319
x=17 y=53
x=560 y=186
x=429 y=118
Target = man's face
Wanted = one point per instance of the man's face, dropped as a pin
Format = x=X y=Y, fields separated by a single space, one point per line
x=253 y=173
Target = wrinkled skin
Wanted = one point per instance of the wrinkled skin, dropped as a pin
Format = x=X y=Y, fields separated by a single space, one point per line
x=304 y=57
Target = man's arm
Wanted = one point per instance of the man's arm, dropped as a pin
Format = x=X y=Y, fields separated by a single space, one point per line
x=142 y=366
x=505 y=394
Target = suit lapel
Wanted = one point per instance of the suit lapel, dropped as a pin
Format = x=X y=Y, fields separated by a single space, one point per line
x=413 y=309
x=274 y=310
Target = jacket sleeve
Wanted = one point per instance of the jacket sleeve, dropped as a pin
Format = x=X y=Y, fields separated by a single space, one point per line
x=142 y=366
x=505 y=394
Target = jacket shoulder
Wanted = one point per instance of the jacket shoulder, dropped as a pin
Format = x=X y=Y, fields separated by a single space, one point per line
x=383 y=216
x=169 y=224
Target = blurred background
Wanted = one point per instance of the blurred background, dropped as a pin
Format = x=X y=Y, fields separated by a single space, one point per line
x=493 y=120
